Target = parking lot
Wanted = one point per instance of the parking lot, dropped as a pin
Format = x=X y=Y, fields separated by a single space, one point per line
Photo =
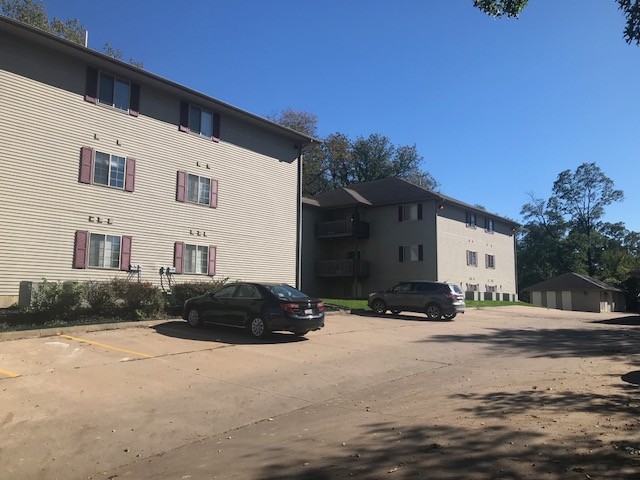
x=511 y=392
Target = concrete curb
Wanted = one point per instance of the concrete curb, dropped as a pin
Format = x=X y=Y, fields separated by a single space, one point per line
x=98 y=327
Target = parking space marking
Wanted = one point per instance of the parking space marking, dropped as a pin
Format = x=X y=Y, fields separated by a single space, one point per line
x=8 y=373
x=104 y=345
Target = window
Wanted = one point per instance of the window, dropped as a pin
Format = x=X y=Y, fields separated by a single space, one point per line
x=196 y=259
x=104 y=251
x=198 y=189
x=489 y=225
x=491 y=288
x=471 y=220
x=225 y=292
x=411 y=253
x=402 y=288
x=426 y=287
x=472 y=258
x=199 y=121
x=109 y=170
x=353 y=255
x=113 y=91
x=248 y=292
x=410 y=212
x=473 y=287
x=490 y=261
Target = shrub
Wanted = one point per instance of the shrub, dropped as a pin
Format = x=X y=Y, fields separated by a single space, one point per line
x=137 y=300
x=181 y=292
x=59 y=300
x=101 y=298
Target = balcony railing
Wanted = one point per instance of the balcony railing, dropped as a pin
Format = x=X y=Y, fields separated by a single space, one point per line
x=342 y=268
x=342 y=228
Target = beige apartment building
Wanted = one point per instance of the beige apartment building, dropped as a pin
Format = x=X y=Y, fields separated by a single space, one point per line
x=111 y=171
x=369 y=236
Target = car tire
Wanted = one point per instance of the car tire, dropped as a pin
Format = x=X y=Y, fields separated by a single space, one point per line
x=396 y=312
x=379 y=306
x=194 y=319
x=433 y=311
x=258 y=327
x=449 y=316
x=300 y=334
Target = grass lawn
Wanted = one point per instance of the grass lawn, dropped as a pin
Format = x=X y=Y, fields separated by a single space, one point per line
x=362 y=304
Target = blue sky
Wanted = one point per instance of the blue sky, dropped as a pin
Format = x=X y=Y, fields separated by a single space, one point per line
x=497 y=108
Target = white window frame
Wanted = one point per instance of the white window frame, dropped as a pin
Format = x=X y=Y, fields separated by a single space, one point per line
x=491 y=288
x=471 y=220
x=408 y=250
x=410 y=212
x=201 y=252
x=113 y=93
x=207 y=201
x=490 y=261
x=202 y=110
x=472 y=258
x=473 y=287
x=103 y=256
x=111 y=157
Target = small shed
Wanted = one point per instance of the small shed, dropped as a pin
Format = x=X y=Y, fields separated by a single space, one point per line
x=572 y=291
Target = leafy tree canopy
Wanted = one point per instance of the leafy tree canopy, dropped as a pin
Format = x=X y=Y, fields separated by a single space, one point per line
x=34 y=13
x=513 y=8
x=340 y=160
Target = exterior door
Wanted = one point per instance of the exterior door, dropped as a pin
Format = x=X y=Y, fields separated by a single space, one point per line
x=219 y=309
x=246 y=304
x=399 y=297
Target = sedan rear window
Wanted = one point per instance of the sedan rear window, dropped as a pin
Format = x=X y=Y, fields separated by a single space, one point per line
x=284 y=291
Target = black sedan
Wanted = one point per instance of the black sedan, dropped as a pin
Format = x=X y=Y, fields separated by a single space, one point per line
x=259 y=308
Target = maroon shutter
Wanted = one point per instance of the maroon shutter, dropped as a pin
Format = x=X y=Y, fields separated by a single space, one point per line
x=216 y=127
x=86 y=164
x=211 y=271
x=178 y=257
x=419 y=211
x=130 y=175
x=184 y=116
x=399 y=213
x=213 y=197
x=400 y=254
x=80 y=249
x=125 y=256
x=420 y=253
x=181 y=186
x=91 y=88
x=134 y=100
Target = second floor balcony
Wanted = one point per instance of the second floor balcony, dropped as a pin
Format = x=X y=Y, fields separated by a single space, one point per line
x=342 y=268
x=342 y=228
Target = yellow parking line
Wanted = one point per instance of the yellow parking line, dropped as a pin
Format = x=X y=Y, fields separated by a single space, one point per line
x=8 y=373
x=111 y=347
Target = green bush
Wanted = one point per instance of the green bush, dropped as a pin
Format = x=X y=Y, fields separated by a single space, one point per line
x=137 y=300
x=101 y=298
x=181 y=292
x=59 y=300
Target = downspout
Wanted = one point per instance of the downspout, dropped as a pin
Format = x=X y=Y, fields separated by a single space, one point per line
x=299 y=220
x=515 y=262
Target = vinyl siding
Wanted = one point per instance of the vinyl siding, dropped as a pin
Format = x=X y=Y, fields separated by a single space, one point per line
x=44 y=122
x=455 y=239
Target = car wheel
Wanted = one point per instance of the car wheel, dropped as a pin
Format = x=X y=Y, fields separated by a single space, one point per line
x=379 y=307
x=434 y=312
x=449 y=316
x=300 y=334
x=258 y=328
x=395 y=312
x=194 y=319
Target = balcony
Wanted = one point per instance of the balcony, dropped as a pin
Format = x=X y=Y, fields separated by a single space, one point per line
x=342 y=268
x=342 y=228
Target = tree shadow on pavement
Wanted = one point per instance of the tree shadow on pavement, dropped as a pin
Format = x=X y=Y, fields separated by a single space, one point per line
x=221 y=334
x=554 y=343
x=387 y=450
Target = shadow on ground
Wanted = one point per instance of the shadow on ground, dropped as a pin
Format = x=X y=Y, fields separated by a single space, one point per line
x=386 y=450
x=630 y=321
x=221 y=334
x=417 y=317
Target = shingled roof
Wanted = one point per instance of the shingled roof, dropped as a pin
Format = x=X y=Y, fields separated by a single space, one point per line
x=388 y=191
x=571 y=281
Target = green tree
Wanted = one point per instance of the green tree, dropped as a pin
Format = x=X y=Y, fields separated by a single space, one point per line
x=513 y=8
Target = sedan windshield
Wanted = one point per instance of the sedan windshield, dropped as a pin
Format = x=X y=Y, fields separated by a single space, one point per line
x=285 y=291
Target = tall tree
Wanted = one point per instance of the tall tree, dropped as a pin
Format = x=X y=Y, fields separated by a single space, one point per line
x=513 y=8
x=34 y=13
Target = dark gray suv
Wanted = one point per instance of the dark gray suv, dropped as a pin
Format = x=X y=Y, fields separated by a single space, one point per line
x=435 y=299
